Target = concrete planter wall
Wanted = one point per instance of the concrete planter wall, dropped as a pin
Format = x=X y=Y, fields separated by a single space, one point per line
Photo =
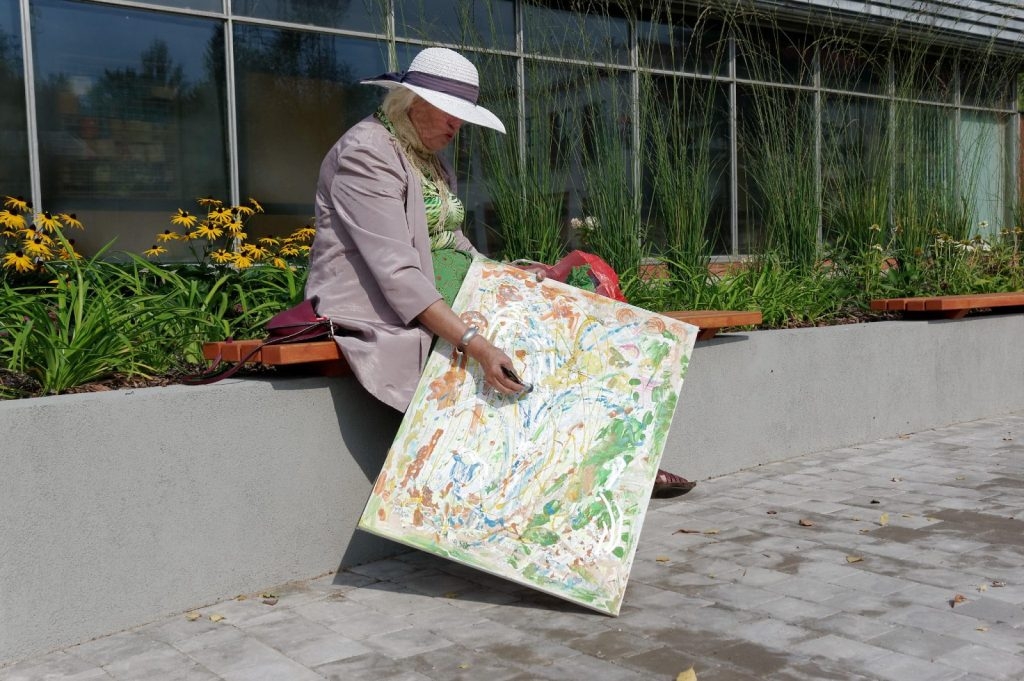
x=119 y=508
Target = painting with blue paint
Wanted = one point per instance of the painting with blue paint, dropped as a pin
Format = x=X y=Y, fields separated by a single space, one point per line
x=547 y=489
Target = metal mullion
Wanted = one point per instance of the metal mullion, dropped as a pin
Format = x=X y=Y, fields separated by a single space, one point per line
x=32 y=124
x=734 y=165
x=818 y=132
x=634 y=83
x=232 y=112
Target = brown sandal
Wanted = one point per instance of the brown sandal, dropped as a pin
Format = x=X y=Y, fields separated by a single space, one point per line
x=668 y=485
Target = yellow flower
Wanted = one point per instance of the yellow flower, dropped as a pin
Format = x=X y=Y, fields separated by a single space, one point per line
x=18 y=261
x=304 y=233
x=183 y=218
x=279 y=263
x=253 y=251
x=243 y=210
x=71 y=220
x=289 y=250
x=154 y=251
x=17 y=203
x=220 y=256
x=242 y=262
x=208 y=201
x=47 y=222
x=35 y=248
x=255 y=205
x=221 y=215
x=208 y=231
x=12 y=220
x=190 y=235
x=68 y=253
x=269 y=241
x=234 y=228
x=167 y=235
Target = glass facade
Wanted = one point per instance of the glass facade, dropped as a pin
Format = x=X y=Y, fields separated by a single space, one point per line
x=125 y=112
x=14 y=171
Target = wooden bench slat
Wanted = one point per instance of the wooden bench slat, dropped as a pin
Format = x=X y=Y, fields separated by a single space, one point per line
x=710 y=321
x=299 y=353
x=950 y=307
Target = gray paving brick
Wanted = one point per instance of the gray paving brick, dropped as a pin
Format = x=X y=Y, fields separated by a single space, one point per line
x=764 y=598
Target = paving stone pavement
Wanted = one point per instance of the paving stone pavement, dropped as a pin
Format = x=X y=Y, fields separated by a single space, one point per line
x=900 y=560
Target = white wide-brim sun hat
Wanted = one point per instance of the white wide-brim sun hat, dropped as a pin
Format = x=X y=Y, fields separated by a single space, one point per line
x=445 y=79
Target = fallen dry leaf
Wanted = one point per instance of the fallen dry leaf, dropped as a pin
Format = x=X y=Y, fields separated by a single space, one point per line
x=957 y=600
x=981 y=628
x=686 y=531
x=267 y=594
x=662 y=559
x=710 y=532
x=804 y=522
x=883 y=519
x=854 y=559
x=688 y=675
x=192 y=616
x=241 y=597
x=216 y=618
x=270 y=601
x=998 y=582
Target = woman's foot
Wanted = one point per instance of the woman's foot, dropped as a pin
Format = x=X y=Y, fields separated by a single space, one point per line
x=668 y=485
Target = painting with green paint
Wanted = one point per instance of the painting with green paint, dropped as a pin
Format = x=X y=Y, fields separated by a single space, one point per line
x=547 y=488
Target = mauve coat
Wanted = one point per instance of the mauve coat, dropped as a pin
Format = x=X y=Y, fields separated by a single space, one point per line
x=370 y=260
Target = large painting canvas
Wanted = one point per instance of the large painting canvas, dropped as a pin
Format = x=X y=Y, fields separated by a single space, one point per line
x=548 y=489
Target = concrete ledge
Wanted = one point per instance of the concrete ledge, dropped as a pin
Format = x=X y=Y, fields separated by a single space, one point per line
x=119 y=508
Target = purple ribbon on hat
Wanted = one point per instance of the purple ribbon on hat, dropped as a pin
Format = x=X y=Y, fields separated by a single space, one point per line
x=448 y=86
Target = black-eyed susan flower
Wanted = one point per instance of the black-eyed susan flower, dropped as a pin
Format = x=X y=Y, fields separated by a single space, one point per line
x=253 y=251
x=47 y=222
x=269 y=242
x=18 y=261
x=304 y=233
x=167 y=235
x=209 y=201
x=183 y=218
x=288 y=250
x=255 y=205
x=235 y=228
x=12 y=220
x=221 y=256
x=17 y=203
x=36 y=248
x=154 y=251
x=68 y=253
x=279 y=263
x=208 y=231
x=71 y=220
x=242 y=262
x=221 y=215
x=243 y=210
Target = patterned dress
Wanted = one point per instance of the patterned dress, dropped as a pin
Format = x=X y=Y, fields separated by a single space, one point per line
x=445 y=213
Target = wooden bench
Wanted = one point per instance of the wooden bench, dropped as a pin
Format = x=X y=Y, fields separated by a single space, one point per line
x=712 y=321
x=951 y=307
x=324 y=358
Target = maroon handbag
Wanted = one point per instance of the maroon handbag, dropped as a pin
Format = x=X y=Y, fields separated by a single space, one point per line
x=298 y=324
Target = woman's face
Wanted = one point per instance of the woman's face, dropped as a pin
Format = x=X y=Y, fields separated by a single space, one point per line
x=435 y=128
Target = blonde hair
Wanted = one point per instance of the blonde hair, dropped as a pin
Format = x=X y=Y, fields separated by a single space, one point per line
x=397 y=102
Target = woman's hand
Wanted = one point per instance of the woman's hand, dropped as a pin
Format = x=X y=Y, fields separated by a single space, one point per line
x=494 y=363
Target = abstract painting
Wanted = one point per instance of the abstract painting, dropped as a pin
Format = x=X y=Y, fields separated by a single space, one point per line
x=547 y=488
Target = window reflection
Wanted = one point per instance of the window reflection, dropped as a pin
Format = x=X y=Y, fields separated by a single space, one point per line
x=686 y=171
x=297 y=94
x=131 y=113
x=575 y=34
x=478 y=23
x=846 y=65
x=14 y=171
x=356 y=15
x=671 y=44
x=774 y=55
